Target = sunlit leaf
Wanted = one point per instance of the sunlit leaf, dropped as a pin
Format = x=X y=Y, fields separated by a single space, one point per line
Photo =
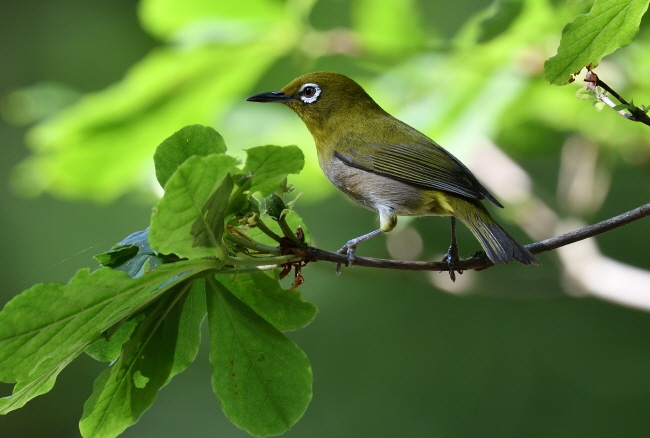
x=609 y=25
x=108 y=137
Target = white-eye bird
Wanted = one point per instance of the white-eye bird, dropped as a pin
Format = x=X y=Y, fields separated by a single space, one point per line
x=389 y=167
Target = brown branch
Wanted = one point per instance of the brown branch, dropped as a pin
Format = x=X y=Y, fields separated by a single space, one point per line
x=480 y=261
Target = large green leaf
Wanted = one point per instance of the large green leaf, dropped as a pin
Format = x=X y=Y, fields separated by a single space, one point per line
x=165 y=343
x=186 y=221
x=610 y=24
x=47 y=326
x=284 y=309
x=262 y=379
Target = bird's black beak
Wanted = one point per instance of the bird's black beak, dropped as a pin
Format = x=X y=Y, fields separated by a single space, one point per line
x=271 y=96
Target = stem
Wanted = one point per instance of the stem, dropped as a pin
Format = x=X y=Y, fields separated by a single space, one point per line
x=263 y=261
x=284 y=226
x=266 y=230
x=246 y=269
x=255 y=246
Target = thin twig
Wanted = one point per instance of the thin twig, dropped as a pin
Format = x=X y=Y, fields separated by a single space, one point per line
x=480 y=261
x=635 y=114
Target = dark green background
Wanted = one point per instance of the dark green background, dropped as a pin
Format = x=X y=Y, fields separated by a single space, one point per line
x=391 y=355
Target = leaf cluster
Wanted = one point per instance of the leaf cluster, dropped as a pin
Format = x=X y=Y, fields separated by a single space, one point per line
x=210 y=250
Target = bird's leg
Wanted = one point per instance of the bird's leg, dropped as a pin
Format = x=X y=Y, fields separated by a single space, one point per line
x=349 y=248
x=452 y=253
x=387 y=222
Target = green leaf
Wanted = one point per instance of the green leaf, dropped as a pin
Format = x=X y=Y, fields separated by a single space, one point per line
x=262 y=292
x=165 y=343
x=191 y=140
x=123 y=391
x=189 y=315
x=267 y=166
x=43 y=329
x=192 y=310
x=262 y=379
x=187 y=193
x=107 y=347
x=610 y=24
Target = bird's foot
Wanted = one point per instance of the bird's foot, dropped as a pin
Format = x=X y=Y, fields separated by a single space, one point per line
x=348 y=249
x=451 y=258
x=482 y=257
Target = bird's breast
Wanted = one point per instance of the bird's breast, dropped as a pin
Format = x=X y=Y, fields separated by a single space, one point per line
x=374 y=191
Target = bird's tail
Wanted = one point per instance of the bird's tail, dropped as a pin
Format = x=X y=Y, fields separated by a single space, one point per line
x=499 y=246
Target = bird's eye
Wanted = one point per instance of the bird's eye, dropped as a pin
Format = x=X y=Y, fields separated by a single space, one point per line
x=309 y=93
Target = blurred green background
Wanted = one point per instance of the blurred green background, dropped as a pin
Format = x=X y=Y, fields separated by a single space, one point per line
x=89 y=89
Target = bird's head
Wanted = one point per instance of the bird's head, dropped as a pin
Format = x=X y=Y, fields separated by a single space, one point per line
x=323 y=99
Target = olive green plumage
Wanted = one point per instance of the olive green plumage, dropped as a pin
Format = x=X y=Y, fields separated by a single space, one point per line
x=388 y=166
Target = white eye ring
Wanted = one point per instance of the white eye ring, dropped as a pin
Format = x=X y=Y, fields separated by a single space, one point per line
x=313 y=97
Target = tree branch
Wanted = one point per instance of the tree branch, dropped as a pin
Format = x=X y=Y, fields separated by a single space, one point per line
x=479 y=261
x=635 y=114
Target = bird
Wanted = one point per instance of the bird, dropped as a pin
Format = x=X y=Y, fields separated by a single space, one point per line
x=389 y=167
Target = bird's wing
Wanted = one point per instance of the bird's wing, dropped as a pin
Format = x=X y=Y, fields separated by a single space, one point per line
x=427 y=166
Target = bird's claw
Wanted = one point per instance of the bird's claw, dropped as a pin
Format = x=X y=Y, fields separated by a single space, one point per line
x=348 y=249
x=451 y=258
